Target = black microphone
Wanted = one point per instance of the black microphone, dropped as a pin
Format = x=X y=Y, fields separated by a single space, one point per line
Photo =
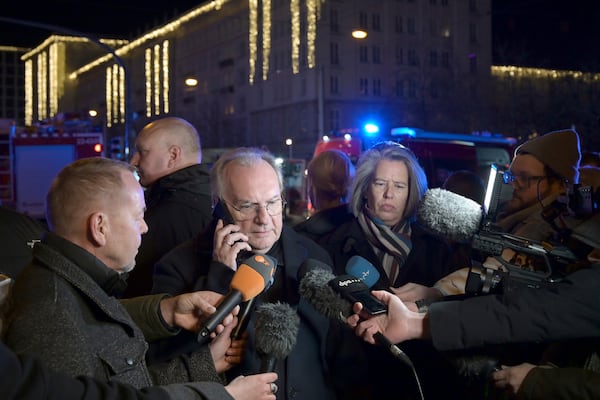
x=248 y=281
x=450 y=215
x=247 y=308
x=315 y=288
x=275 y=332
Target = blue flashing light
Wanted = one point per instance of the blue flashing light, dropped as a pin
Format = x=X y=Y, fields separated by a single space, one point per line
x=404 y=131
x=371 y=129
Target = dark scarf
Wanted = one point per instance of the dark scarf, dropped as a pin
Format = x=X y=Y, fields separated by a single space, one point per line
x=391 y=245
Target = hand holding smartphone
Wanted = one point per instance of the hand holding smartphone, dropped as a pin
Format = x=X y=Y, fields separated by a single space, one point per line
x=355 y=290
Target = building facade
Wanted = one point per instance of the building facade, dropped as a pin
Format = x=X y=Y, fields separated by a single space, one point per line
x=260 y=72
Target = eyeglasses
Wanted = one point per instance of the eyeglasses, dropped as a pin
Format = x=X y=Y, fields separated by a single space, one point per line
x=522 y=180
x=249 y=210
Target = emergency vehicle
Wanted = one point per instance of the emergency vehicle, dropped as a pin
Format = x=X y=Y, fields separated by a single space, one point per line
x=439 y=153
x=29 y=160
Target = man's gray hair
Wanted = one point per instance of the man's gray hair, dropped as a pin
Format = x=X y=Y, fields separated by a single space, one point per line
x=244 y=156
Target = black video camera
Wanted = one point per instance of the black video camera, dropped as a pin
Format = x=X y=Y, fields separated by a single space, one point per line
x=532 y=263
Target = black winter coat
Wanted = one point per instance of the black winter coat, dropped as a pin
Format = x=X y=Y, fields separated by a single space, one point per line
x=427 y=262
x=178 y=206
x=316 y=368
x=319 y=226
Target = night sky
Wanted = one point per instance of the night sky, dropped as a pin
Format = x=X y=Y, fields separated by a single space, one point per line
x=538 y=33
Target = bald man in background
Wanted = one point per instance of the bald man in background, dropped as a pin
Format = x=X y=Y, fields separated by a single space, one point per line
x=168 y=156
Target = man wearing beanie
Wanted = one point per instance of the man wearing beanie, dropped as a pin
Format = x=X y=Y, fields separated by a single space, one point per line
x=542 y=170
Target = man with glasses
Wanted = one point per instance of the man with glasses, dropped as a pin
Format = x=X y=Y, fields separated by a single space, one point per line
x=247 y=187
x=542 y=174
x=542 y=171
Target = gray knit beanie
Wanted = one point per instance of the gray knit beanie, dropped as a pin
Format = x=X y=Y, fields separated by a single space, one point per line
x=558 y=150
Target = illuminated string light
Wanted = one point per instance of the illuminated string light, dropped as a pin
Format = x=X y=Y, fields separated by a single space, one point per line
x=156 y=79
x=538 y=73
x=115 y=92
x=165 y=75
x=295 y=14
x=155 y=34
x=108 y=96
x=121 y=93
x=266 y=36
x=252 y=38
x=311 y=32
x=148 y=81
x=28 y=92
x=53 y=73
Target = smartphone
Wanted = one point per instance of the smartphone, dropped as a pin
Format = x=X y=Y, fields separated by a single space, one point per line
x=220 y=211
x=355 y=290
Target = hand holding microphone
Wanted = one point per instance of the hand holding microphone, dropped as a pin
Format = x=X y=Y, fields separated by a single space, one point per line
x=314 y=277
x=248 y=281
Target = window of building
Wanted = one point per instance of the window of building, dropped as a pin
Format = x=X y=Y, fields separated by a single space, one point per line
x=334 y=53
x=434 y=90
x=334 y=119
x=363 y=19
x=412 y=88
x=376 y=22
x=400 y=88
x=433 y=58
x=334 y=23
x=445 y=59
x=363 y=54
x=377 y=87
x=473 y=33
x=334 y=85
x=377 y=54
x=412 y=57
x=364 y=86
x=398 y=24
x=411 y=26
x=399 y=55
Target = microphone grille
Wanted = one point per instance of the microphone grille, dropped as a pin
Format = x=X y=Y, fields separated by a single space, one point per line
x=276 y=329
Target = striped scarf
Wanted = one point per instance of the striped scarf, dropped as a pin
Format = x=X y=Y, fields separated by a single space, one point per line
x=391 y=245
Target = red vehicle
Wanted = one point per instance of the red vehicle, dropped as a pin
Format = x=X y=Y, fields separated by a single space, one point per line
x=36 y=159
x=439 y=153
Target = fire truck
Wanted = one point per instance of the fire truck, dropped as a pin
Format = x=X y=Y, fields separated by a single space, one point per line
x=30 y=159
x=439 y=153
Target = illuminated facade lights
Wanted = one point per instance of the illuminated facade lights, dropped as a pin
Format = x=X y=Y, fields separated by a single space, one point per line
x=538 y=73
x=295 y=19
x=252 y=38
x=266 y=35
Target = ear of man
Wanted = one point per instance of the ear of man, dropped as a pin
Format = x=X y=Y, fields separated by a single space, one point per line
x=98 y=227
x=175 y=156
